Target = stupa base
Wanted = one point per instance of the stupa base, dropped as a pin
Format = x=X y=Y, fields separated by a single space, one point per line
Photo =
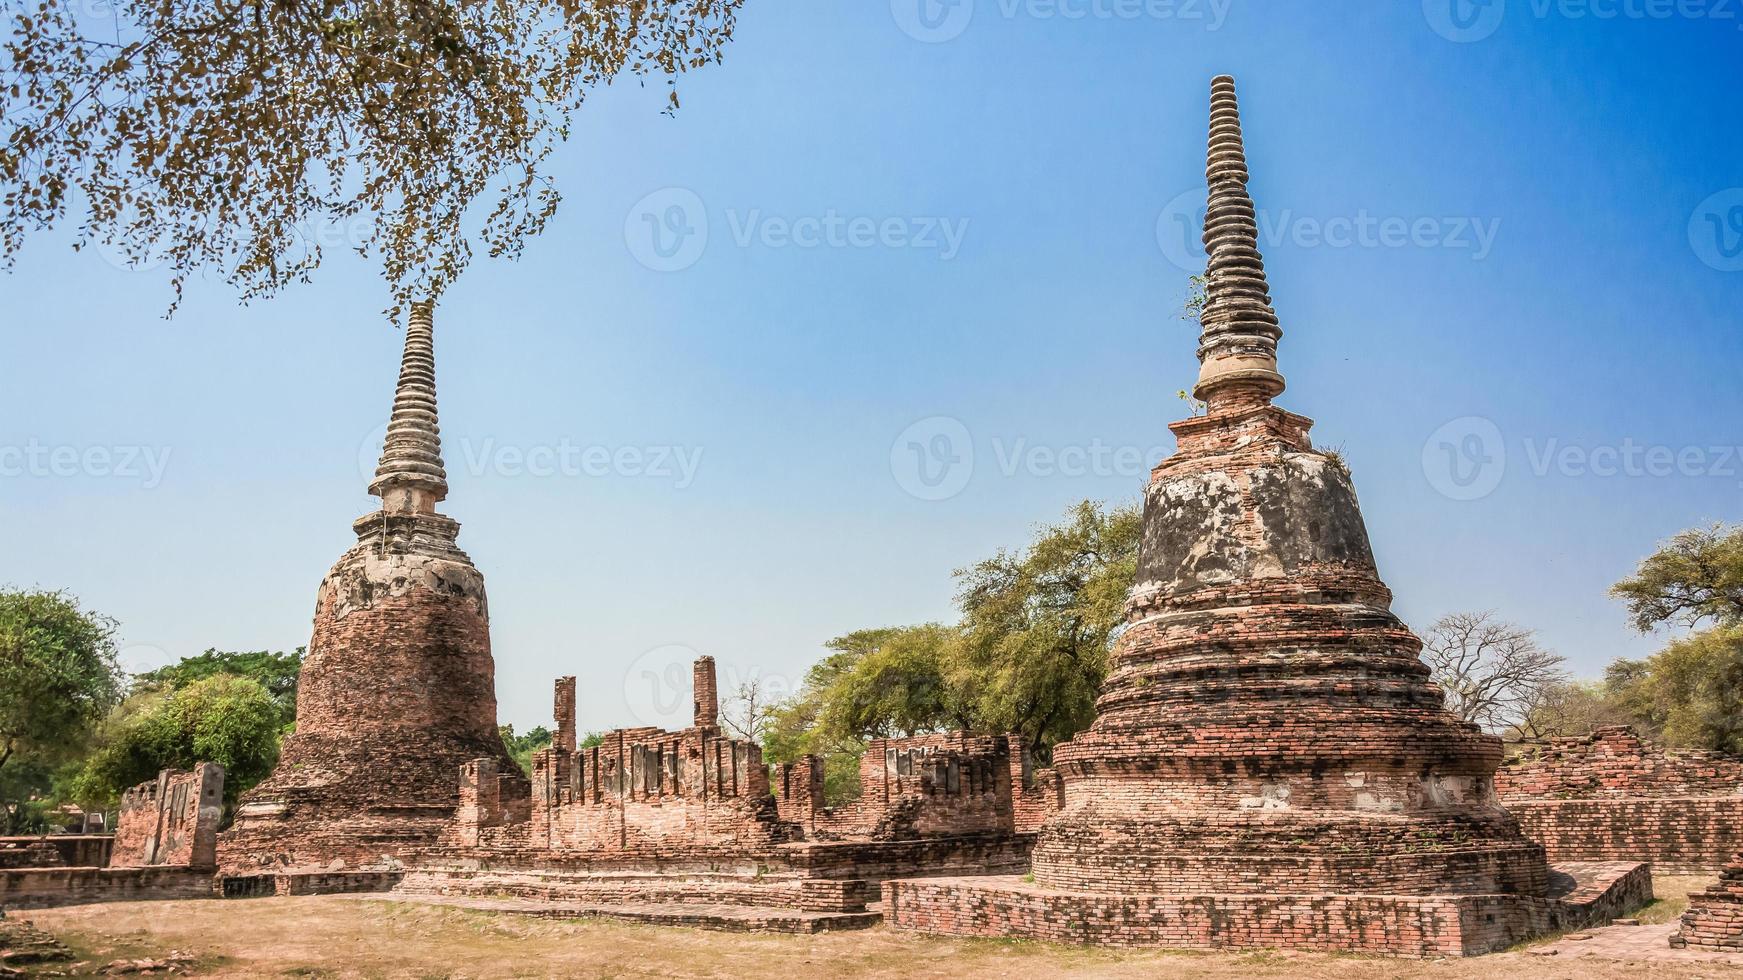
x=1583 y=895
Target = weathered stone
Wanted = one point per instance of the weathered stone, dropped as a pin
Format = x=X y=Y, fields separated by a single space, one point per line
x=398 y=689
x=1612 y=796
x=171 y=821
x=1270 y=764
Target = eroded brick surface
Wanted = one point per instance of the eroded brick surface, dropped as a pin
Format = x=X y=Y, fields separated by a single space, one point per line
x=171 y=821
x=1612 y=795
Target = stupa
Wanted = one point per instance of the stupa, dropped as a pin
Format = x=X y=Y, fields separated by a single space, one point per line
x=1270 y=764
x=398 y=689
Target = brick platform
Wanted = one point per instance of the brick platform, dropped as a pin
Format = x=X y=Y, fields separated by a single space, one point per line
x=1396 y=925
x=1613 y=796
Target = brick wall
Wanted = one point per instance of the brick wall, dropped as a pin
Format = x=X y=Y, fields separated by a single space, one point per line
x=943 y=783
x=171 y=821
x=1613 y=795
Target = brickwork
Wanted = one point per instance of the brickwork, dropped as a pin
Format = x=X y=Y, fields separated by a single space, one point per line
x=171 y=821
x=1714 y=919
x=1270 y=763
x=71 y=850
x=1612 y=796
x=705 y=693
x=945 y=783
x=1393 y=925
x=38 y=888
x=1036 y=793
x=398 y=688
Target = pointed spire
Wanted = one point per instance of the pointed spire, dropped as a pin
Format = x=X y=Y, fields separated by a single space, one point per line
x=410 y=476
x=1237 y=349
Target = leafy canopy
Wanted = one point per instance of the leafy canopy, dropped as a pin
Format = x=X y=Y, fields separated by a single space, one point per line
x=1695 y=577
x=1028 y=655
x=58 y=675
x=276 y=672
x=223 y=718
x=212 y=136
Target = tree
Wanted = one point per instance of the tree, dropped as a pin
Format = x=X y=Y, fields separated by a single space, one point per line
x=276 y=672
x=1493 y=672
x=226 y=719
x=212 y=136
x=523 y=747
x=1690 y=694
x=58 y=678
x=1038 y=624
x=1572 y=708
x=856 y=693
x=749 y=712
x=1694 y=577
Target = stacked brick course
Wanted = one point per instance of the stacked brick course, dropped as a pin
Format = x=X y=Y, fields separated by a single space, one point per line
x=171 y=821
x=1612 y=796
x=1714 y=919
x=398 y=689
x=1270 y=763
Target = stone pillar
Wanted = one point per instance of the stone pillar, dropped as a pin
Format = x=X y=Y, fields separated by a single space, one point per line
x=564 y=741
x=707 y=694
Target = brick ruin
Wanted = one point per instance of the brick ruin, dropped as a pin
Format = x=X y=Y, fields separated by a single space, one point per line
x=172 y=820
x=1613 y=796
x=165 y=847
x=1714 y=918
x=398 y=688
x=685 y=826
x=1270 y=764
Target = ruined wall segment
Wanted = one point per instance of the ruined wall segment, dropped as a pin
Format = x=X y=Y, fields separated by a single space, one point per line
x=398 y=688
x=1714 y=918
x=1612 y=796
x=171 y=821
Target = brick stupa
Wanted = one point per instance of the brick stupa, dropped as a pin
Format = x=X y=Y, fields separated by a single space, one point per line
x=398 y=690
x=1270 y=764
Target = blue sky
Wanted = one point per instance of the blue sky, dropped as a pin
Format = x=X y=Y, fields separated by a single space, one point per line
x=1503 y=241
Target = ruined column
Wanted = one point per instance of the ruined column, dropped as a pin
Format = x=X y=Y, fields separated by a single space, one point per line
x=707 y=694
x=564 y=706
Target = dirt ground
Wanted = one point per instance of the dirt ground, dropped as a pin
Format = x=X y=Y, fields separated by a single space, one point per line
x=349 y=937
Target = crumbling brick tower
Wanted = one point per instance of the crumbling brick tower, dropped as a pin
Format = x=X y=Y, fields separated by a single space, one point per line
x=1270 y=764
x=398 y=688
x=1267 y=724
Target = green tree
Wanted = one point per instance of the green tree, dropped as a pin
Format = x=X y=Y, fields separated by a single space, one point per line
x=58 y=678
x=276 y=672
x=1694 y=577
x=230 y=720
x=1028 y=656
x=1038 y=625
x=215 y=137
x=1690 y=694
x=523 y=747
